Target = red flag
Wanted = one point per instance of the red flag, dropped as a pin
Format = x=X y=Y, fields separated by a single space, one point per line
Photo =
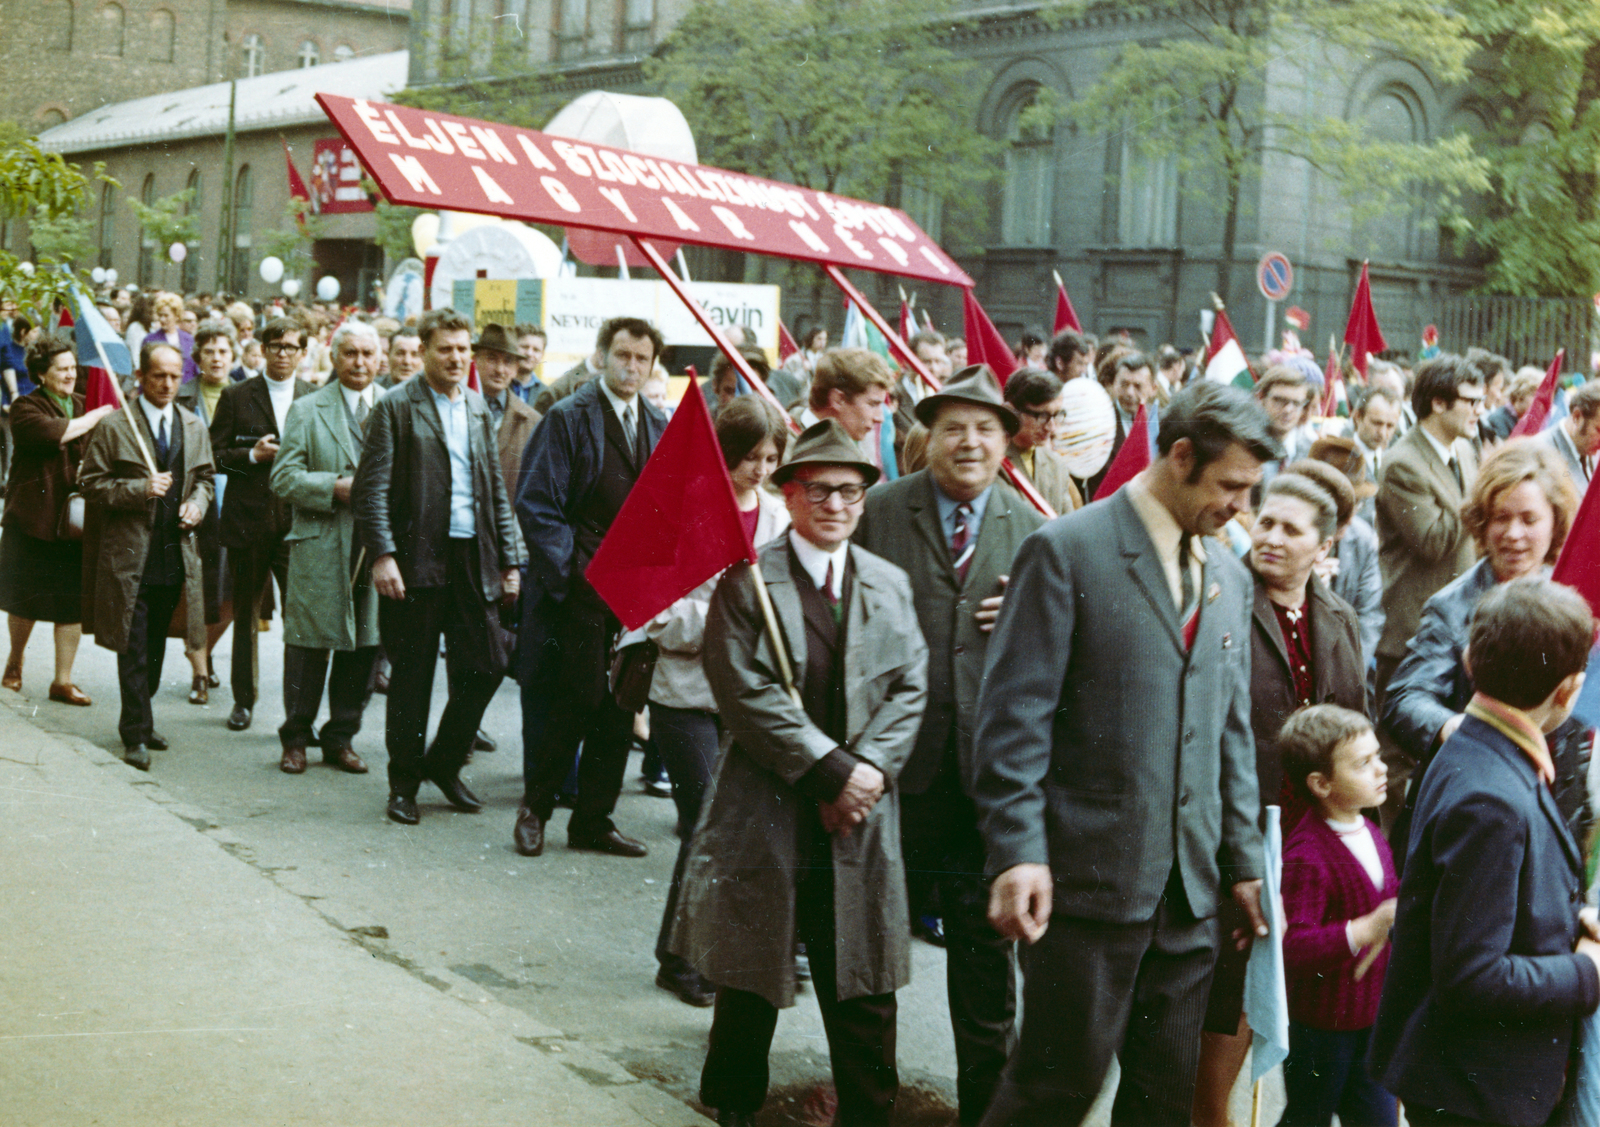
x=786 y=345
x=1131 y=460
x=908 y=321
x=297 y=188
x=64 y=318
x=1579 y=564
x=985 y=345
x=472 y=377
x=1361 y=332
x=100 y=389
x=679 y=526
x=1532 y=421
x=1066 y=316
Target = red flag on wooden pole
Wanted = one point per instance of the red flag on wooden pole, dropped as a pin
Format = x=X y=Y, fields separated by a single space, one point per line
x=1131 y=460
x=1066 y=316
x=1361 y=332
x=985 y=345
x=297 y=188
x=786 y=345
x=679 y=526
x=1532 y=421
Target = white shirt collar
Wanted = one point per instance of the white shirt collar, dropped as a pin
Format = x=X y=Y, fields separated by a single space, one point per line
x=365 y=395
x=815 y=560
x=1446 y=454
x=154 y=414
x=619 y=404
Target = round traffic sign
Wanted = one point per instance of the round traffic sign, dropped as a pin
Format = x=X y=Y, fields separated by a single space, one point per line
x=1275 y=276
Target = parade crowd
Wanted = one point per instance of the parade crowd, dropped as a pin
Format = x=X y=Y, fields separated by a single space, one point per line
x=926 y=712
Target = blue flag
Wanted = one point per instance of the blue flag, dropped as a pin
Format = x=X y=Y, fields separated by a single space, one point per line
x=1266 y=995
x=90 y=326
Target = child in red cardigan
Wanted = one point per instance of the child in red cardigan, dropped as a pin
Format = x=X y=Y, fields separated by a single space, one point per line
x=1339 y=890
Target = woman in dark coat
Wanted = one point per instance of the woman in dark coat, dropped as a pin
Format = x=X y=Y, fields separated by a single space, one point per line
x=40 y=572
x=1305 y=648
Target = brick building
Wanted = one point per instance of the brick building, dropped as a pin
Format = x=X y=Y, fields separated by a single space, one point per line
x=62 y=58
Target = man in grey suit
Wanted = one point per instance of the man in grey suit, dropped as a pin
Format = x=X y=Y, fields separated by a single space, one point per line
x=954 y=530
x=1577 y=437
x=1115 y=773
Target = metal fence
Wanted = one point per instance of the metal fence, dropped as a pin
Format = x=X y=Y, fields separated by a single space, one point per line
x=1527 y=330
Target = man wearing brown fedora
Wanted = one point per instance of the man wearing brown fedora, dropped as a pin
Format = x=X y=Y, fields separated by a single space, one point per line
x=954 y=529
x=800 y=839
x=498 y=357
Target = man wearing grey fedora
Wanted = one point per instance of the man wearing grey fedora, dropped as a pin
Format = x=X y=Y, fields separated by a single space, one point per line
x=800 y=839
x=954 y=529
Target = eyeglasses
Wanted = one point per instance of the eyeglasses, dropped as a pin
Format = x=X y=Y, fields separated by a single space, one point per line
x=283 y=348
x=1043 y=416
x=849 y=493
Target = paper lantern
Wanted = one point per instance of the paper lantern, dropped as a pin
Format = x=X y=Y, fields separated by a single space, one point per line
x=1087 y=428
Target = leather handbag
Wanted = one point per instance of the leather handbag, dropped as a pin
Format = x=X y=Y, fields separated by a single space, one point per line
x=70 y=524
x=632 y=669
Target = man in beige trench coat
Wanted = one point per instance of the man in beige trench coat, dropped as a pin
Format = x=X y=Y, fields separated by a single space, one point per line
x=800 y=838
x=139 y=553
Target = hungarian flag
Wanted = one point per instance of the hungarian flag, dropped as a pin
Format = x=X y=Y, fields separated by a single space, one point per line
x=297 y=189
x=1579 y=568
x=985 y=345
x=862 y=333
x=1131 y=460
x=1066 y=316
x=908 y=321
x=1224 y=360
x=1361 y=332
x=786 y=345
x=679 y=527
x=1533 y=419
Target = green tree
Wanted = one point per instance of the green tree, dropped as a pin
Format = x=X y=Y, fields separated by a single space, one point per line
x=167 y=220
x=1199 y=95
x=49 y=192
x=1539 y=66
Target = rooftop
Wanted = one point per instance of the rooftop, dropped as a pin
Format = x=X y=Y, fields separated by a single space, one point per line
x=268 y=101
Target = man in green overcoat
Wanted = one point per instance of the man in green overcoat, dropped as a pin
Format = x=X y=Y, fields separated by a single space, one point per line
x=331 y=607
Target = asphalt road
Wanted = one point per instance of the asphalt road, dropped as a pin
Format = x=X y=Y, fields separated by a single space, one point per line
x=567 y=938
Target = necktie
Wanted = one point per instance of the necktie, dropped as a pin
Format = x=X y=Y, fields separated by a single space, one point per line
x=962 y=543
x=1185 y=573
x=162 y=449
x=627 y=424
x=1455 y=468
x=362 y=411
x=827 y=587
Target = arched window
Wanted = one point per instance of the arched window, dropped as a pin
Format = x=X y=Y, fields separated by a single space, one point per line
x=1392 y=114
x=113 y=30
x=343 y=53
x=191 y=264
x=309 y=55
x=1147 y=196
x=252 y=56
x=56 y=24
x=1029 y=189
x=163 y=36
x=108 y=223
x=244 y=201
x=147 y=241
x=48 y=119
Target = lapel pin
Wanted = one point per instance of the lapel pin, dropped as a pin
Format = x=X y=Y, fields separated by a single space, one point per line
x=1213 y=593
x=1227 y=641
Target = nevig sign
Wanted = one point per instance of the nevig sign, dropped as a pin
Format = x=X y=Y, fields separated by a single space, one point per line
x=433 y=160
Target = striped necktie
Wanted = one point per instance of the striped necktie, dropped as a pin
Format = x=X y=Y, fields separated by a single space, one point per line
x=963 y=544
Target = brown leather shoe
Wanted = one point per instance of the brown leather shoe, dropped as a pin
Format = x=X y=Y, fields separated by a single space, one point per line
x=200 y=691
x=293 y=761
x=69 y=694
x=344 y=758
x=13 y=676
x=528 y=836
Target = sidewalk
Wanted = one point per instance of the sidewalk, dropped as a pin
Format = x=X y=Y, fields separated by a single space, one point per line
x=149 y=977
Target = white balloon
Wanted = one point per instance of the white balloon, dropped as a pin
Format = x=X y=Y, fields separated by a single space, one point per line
x=271 y=269
x=111 y=277
x=98 y=274
x=26 y=268
x=291 y=288
x=328 y=287
x=177 y=252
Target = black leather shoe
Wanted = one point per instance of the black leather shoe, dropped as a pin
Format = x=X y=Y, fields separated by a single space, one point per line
x=482 y=742
x=611 y=842
x=239 y=718
x=137 y=756
x=929 y=929
x=735 y=1119
x=528 y=834
x=156 y=742
x=457 y=795
x=403 y=810
x=690 y=988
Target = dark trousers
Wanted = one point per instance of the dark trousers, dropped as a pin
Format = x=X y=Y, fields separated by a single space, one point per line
x=687 y=739
x=349 y=689
x=1425 y=1117
x=1326 y=1073
x=252 y=568
x=944 y=854
x=580 y=709
x=861 y=1031
x=139 y=663
x=410 y=629
x=1093 y=989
